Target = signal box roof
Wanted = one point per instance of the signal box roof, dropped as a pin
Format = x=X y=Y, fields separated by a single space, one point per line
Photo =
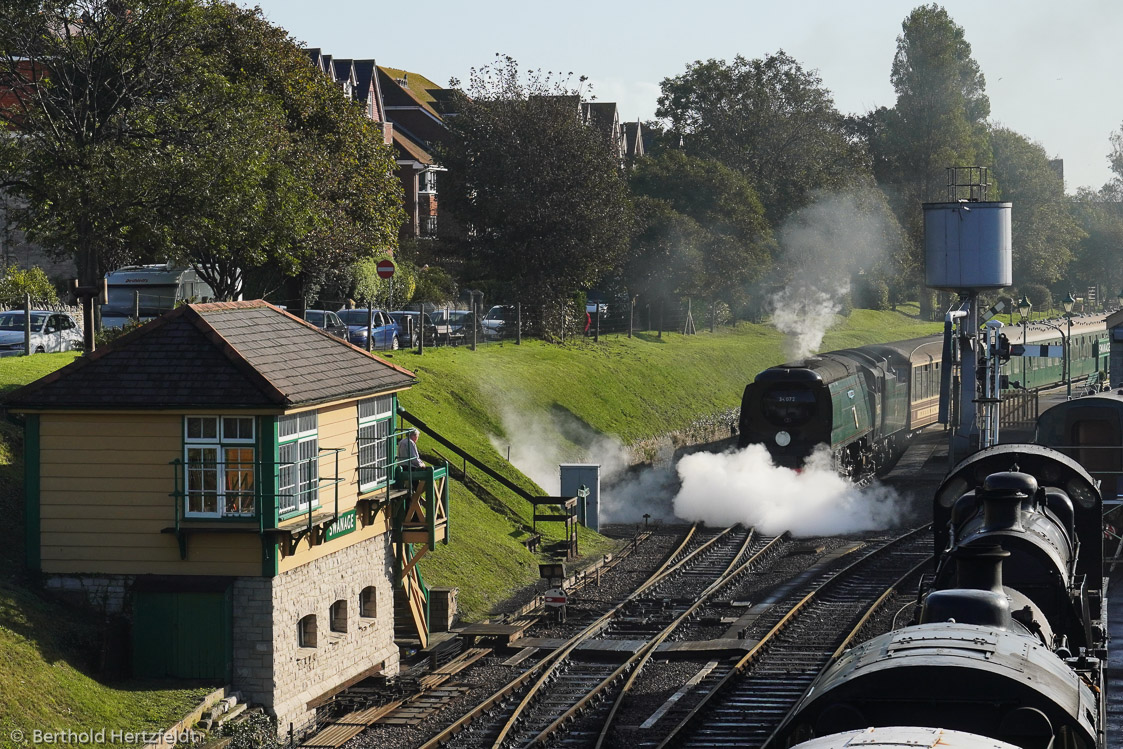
x=229 y=355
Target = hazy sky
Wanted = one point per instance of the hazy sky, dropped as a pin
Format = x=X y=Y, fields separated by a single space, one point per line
x=1052 y=68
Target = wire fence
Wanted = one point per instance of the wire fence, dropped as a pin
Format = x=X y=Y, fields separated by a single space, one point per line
x=475 y=325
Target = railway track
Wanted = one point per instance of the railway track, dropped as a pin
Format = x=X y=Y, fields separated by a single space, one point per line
x=744 y=702
x=566 y=685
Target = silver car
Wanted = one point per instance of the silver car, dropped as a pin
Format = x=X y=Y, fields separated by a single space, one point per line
x=51 y=332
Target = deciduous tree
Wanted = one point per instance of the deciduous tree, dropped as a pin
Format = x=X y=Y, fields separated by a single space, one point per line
x=540 y=192
x=767 y=118
x=1045 y=233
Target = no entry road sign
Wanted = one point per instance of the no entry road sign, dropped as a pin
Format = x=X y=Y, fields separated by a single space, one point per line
x=386 y=268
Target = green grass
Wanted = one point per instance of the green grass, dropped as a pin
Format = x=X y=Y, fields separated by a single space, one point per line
x=16 y=371
x=46 y=654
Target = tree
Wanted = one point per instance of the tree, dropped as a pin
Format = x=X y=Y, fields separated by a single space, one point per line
x=540 y=193
x=1100 y=215
x=702 y=227
x=768 y=119
x=191 y=131
x=96 y=92
x=1045 y=233
x=938 y=121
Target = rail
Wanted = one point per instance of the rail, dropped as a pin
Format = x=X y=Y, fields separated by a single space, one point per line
x=661 y=573
x=765 y=643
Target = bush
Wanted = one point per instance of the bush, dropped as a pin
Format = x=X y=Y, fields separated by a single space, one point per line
x=16 y=283
x=871 y=292
x=1039 y=296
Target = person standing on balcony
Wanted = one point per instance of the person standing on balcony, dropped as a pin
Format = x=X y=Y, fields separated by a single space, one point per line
x=407 y=450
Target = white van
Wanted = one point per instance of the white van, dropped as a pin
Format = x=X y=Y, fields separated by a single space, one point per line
x=155 y=289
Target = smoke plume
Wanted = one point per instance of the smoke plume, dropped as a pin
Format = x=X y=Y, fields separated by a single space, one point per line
x=824 y=244
x=745 y=487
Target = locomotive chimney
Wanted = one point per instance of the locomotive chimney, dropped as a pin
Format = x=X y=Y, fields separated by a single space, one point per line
x=1004 y=495
x=980 y=567
x=979 y=599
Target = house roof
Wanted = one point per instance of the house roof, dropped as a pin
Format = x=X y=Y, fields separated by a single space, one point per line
x=418 y=89
x=229 y=355
x=409 y=149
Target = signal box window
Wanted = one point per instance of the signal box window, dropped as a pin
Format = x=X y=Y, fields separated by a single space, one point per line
x=219 y=466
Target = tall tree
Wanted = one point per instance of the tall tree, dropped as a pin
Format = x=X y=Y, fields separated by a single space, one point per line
x=939 y=118
x=540 y=193
x=710 y=209
x=1100 y=215
x=767 y=118
x=1045 y=233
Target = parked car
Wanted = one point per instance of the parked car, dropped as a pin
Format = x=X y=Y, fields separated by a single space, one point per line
x=454 y=325
x=326 y=321
x=379 y=325
x=407 y=327
x=50 y=332
x=499 y=322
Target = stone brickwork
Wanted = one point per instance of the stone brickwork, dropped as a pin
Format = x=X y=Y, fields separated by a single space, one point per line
x=106 y=594
x=301 y=674
x=253 y=638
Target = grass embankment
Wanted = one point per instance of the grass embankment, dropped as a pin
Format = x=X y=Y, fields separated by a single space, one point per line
x=48 y=651
x=631 y=388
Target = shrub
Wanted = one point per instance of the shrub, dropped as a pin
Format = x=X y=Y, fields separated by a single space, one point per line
x=1039 y=296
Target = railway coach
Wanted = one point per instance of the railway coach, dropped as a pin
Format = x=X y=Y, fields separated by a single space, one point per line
x=865 y=403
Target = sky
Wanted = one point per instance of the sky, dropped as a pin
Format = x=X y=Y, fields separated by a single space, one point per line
x=1051 y=68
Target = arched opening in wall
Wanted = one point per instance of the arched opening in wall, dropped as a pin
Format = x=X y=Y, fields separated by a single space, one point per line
x=368 y=602
x=306 y=631
x=339 y=616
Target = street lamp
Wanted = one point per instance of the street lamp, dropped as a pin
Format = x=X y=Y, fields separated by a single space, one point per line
x=1068 y=303
x=1024 y=308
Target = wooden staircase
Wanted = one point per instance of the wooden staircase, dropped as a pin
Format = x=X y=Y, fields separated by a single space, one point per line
x=420 y=521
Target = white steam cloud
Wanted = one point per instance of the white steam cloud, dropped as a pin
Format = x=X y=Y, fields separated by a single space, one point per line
x=718 y=489
x=745 y=487
x=824 y=244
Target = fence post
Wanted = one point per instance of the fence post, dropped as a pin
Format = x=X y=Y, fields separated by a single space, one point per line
x=713 y=315
x=370 y=326
x=475 y=321
x=660 y=317
x=27 y=325
x=518 y=323
x=631 y=314
x=421 y=329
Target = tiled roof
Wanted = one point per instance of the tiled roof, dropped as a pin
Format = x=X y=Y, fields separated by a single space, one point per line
x=221 y=355
x=410 y=149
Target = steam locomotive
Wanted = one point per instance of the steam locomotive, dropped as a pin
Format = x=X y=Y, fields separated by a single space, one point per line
x=1009 y=645
x=865 y=403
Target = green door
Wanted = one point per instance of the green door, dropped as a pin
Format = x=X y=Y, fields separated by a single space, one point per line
x=182 y=635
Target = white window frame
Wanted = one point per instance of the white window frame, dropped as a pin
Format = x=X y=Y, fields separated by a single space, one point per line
x=218 y=443
x=380 y=410
x=305 y=441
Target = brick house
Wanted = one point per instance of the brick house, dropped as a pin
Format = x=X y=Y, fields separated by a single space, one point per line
x=224 y=478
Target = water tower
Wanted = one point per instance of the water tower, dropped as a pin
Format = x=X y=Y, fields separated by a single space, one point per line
x=967 y=249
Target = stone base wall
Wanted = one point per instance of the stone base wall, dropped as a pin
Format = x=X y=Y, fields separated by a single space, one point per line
x=253 y=639
x=300 y=673
x=106 y=594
